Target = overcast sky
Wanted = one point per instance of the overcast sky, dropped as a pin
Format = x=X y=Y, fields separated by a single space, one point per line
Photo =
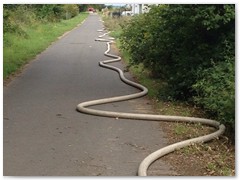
x=115 y=4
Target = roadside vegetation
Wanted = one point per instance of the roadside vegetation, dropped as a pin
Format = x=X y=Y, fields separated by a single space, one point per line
x=185 y=56
x=191 y=49
x=29 y=29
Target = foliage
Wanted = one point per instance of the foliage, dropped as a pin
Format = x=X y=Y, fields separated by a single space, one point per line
x=71 y=10
x=48 y=12
x=16 y=16
x=115 y=25
x=215 y=88
x=184 y=45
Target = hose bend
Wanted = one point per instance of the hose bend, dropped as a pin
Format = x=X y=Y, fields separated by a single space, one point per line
x=142 y=170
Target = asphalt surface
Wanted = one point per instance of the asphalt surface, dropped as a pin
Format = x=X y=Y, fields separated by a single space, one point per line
x=44 y=135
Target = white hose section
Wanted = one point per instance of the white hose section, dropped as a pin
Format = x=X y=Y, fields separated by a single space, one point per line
x=142 y=170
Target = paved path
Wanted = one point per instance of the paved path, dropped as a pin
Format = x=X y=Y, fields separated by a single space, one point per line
x=45 y=135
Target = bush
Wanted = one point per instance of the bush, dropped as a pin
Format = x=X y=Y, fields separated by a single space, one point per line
x=176 y=40
x=16 y=15
x=184 y=45
x=215 y=89
x=71 y=10
x=15 y=18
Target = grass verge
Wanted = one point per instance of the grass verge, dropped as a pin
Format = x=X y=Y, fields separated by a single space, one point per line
x=19 y=50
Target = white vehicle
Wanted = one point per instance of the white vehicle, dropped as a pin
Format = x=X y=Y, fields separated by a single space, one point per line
x=127 y=13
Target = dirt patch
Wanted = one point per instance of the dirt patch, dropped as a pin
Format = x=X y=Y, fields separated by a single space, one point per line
x=215 y=158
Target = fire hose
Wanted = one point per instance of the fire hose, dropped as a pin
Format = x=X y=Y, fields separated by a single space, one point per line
x=143 y=167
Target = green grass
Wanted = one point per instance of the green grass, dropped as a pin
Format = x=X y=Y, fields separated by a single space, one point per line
x=19 y=50
x=181 y=129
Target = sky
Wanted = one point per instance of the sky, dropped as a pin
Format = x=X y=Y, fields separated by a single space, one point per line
x=116 y=5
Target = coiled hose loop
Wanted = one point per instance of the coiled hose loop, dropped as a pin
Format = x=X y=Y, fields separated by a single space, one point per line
x=142 y=170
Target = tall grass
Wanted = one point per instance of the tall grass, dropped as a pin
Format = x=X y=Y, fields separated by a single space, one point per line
x=19 y=50
x=115 y=24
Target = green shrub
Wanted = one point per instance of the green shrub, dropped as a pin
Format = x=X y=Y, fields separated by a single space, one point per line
x=184 y=45
x=215 y=89
x=48 y=12
x=71 y=10
x=177 y=40
x=16 y=18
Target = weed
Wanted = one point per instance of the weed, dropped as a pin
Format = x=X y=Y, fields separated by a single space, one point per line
x=180 y=129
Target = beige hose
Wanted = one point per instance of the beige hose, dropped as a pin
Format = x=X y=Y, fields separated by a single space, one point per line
x=142 y=171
